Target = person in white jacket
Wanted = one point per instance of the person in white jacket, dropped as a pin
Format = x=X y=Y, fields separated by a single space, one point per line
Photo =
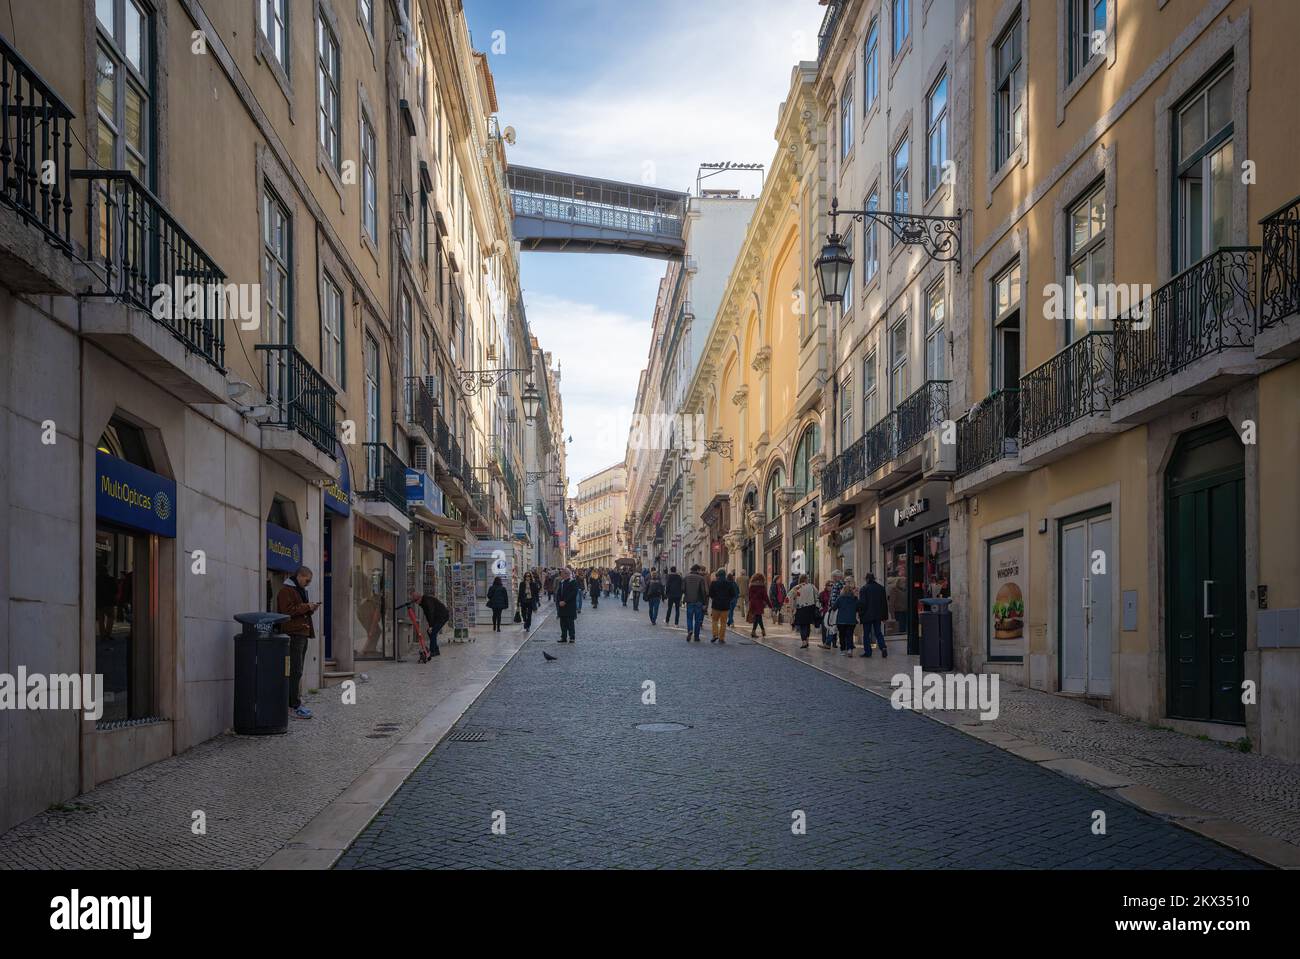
x=637 y=583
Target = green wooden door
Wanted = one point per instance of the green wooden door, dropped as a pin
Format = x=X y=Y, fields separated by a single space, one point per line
x=1206 y=609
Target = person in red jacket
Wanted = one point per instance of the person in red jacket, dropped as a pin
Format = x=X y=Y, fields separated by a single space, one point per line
x=758 y=602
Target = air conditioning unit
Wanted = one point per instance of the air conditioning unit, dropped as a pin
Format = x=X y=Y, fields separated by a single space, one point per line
x=423 y=461
x=937 y=457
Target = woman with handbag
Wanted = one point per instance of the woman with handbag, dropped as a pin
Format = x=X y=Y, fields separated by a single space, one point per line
x=758 y=602
x=806 y=608
x=524 y=602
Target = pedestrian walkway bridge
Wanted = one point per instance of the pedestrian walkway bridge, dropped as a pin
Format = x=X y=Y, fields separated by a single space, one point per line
x=560 y=212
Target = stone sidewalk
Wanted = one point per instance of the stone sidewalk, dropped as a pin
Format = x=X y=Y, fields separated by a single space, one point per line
x=259 y=792
x=1243 y=800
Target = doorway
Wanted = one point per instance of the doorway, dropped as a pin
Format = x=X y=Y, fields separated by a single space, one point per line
x=124 y=615
x=1205 y=576
x=1086 y=610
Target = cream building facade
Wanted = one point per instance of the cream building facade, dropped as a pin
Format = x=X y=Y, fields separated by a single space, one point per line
x=332 y=165
x=601 y=506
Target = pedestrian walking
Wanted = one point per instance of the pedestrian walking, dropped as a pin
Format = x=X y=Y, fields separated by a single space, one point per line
x=550 y=585
x=758 y=602
x=498 y=598
x=654 y=594
x=735 y=598
x=594 y=583
x=873 y=608
x=637 y=583
x=722 y=602
x=673 y=586
x=776 y=594
x=806 y=608
x=292 y=600
x=524 y=602
x=566 y=605
x=625 y=585
x=833 y=590
x=695 y=590
x=846 y=616
x=742 y=595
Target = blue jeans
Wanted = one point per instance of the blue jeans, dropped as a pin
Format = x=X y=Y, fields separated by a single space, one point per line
x=654 y=609
x=870 y=626
x=731 y=612
x=694 y=620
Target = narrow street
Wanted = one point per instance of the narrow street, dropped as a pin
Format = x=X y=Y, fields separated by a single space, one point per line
x=555 y=746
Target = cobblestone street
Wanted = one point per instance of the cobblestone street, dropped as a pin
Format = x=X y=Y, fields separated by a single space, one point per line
x=554 y=748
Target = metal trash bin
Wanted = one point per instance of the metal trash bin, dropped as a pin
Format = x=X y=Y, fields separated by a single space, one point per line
x=936 y=635
x=261 y=675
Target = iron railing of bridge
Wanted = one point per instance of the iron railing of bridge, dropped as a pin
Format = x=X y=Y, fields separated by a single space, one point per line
x=586 y=201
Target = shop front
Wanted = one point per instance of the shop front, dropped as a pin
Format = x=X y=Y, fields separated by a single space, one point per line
x=803 y=548
x=336 y=496
x=374 y=566
x=134 y=508
x=918 y=562
x=717 y=523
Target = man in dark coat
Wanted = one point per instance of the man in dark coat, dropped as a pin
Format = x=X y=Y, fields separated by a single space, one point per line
x=695 y=590
x=872 y=610
x=721 y=602
x=673 y=595
x=566 y=604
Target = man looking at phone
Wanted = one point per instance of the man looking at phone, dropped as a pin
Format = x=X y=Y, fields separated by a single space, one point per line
x=292 y=600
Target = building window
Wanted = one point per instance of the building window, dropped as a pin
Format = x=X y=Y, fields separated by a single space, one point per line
x=1087 y=19
x=846 y=411
x=277 y=268
x=901 y=171
x=902 y=24
x=846 y=118
x=1205 y=170
x=869 y=391
x=871 y=240
x=123 y=87
x=274 y=24
x=1009 y=84
x=424 y=229
x=936 y=136
x=846 y=305
x=1006 y=328
x=372 y=390
x=408 y=345
x=898 y=363
x=369 y=183
x=871 y=66
x=332 y=330
x=367 y=11
x=935 y=344
x=804 y=479
x=1086 y=223
x=327 y=80
x=772 y=506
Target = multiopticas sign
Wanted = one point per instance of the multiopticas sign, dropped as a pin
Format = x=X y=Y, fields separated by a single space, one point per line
x=134 y=496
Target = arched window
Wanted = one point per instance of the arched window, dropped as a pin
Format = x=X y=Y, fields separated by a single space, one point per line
x=774 y=484
x=804 y=480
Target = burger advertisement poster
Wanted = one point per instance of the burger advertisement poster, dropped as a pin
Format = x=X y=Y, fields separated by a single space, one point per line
x=1006 y=599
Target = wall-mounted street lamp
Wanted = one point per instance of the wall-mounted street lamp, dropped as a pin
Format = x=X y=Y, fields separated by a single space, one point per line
x=723 y=448
x=939 y=236
x=532 y=401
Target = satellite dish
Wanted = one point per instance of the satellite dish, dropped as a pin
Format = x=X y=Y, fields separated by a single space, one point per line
x=510 y=135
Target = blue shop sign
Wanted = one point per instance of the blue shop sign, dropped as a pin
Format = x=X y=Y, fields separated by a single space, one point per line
x=338 y=491
x=283 y=549
x=133 y=496
x=422 y=491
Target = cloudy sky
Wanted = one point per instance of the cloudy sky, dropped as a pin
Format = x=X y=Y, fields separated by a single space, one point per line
x=626 y=90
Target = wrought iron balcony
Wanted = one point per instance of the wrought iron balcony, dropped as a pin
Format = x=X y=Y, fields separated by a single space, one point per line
x=1279 y=285
x=301 y=398
x=924 y=410
x=142 y=250
x=989 y=432
x=1208 y=308
x=1074 y=383
x=830 y=21
x=845 y=470
x=421 y=410
x=35 y=137
x=385 y=478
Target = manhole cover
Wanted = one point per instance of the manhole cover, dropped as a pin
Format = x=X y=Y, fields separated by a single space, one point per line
x=661 y=727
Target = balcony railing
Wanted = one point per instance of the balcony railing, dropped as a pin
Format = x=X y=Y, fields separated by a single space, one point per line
x=385 y=478
x=1074 y=383
x=144 y=252
x=924 y=410
x=420 y=407
x=301 y=398
x=1208 y=308
x=903 y=428
x=989 y=432
x=1279 y=284
x=829 y=22
x=35 y=142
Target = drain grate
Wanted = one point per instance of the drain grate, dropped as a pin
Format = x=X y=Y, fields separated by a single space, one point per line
x=379 y=736
x=468 y=736
x=661 y=727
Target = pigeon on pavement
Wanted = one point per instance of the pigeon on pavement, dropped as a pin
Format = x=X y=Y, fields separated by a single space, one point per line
x=549 y=658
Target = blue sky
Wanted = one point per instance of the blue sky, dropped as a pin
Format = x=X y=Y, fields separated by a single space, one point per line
x=629 y=89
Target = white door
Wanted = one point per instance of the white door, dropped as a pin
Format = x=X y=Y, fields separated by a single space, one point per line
x=1086 y=618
